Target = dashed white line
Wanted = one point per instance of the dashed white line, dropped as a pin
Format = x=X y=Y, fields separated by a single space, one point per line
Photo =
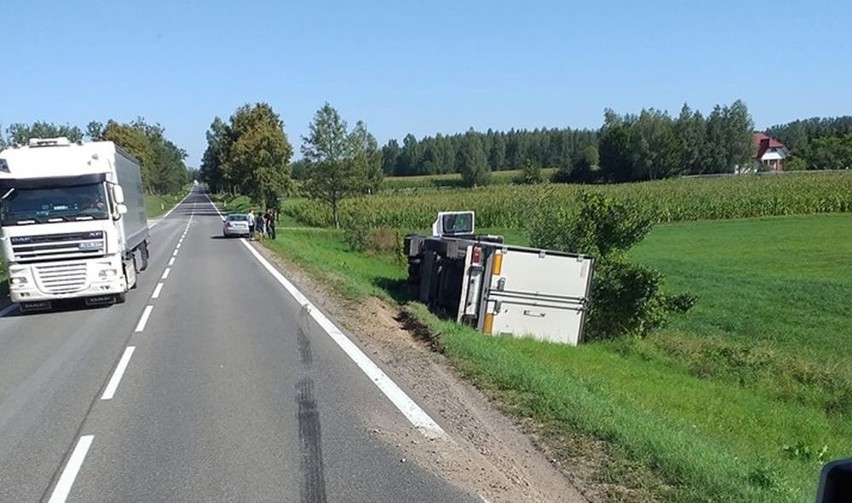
x=175 y=253
x=177 y=247
x=157 y=291
x=166 y=272
x=172 y=261
x=144 y=319
x=63 y=487
x=109 y=392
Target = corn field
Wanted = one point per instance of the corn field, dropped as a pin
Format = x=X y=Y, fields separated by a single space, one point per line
x=511 y=206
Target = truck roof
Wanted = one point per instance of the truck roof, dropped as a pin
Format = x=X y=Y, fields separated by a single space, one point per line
x=59 y=160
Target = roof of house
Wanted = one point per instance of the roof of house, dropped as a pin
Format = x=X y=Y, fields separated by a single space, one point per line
x=764 y=142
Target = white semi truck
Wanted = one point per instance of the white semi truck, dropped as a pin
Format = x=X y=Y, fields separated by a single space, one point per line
x=72 y=222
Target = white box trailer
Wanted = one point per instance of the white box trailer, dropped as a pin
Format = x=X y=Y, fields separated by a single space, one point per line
x=500 y=289
x=72 y=222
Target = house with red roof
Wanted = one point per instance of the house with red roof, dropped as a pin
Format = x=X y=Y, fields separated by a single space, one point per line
x=770 y=153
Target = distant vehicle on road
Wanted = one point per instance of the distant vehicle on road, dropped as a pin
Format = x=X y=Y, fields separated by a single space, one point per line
x=236 y=224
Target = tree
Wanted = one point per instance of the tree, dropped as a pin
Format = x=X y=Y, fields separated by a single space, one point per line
x=259 y=154
x=530 y=175
x=333 y=176
x=830 y=152
x=367 y=158
x=738 y=135
x=213 y=170
x=654 y=146
x=691 y=131
x=472 y=163
x=390 y=157
x=95 y=130
x=22 y=133
x=497 y=155
x=136 y=143
x=614 y=149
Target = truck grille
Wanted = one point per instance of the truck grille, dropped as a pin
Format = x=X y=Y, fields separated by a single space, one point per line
x=28 y=249
x=61 y=278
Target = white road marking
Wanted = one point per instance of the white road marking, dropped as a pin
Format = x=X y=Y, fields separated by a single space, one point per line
x=63 y=487
x=416 y=415
x=157 y=291
x=175 y=253
x=109 y=392
x=166 y=272
x=171 y=261
x=144 y=319
x=7 y=310
x=177 y=247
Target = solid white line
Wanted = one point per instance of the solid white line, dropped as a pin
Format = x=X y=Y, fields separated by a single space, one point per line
x=7 y=310
x=157 y=291
x=63 y=487
x=171 y=261
x=144 y=319
x=166 y=272
x=109 y=392
x=418 y=417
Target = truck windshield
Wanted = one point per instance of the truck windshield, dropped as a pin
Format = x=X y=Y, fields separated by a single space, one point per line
x=22 y=206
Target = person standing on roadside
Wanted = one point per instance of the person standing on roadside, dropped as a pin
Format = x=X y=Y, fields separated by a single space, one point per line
x=270 y=223
x=250 y=217
x=259 y=226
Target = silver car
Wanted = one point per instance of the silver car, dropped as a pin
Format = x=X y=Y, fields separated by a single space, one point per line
x=236 y=224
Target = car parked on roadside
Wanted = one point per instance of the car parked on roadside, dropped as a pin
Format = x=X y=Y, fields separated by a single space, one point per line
x=236 y=224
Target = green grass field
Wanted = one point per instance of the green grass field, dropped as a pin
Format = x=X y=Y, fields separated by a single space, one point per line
x=739 y=400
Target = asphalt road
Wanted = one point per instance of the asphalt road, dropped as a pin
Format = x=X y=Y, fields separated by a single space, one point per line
x=211 y=383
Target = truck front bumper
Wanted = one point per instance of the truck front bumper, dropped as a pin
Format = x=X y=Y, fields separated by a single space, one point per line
x=73 y=279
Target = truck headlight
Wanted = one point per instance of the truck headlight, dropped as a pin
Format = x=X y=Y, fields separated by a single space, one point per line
x=107 y=273
x=18 y=280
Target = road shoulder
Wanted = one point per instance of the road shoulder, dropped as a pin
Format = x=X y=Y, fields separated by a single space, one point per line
x=490 y=455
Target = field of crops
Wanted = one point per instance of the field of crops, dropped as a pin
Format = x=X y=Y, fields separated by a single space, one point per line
x=511 y=206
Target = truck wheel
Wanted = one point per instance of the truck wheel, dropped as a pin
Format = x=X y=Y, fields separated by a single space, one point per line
x=143 y=251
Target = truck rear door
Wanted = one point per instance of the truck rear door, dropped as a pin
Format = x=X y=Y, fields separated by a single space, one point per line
x=536 y=292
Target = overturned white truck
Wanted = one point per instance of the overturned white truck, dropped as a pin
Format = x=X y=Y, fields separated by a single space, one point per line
x=496 y=288
x=72 y=222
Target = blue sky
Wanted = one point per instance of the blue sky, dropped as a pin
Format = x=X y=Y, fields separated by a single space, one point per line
x=419 y=66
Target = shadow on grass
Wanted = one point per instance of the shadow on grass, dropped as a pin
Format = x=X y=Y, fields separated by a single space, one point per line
x=399 y=290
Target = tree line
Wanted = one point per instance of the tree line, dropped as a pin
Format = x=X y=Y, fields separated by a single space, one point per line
x=816 y=143
x=628 y=147
x=250 y=154
x=163 y=168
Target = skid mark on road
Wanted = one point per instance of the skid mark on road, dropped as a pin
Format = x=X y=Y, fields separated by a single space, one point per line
x=310 y=444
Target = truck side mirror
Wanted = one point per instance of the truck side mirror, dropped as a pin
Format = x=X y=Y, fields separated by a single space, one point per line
x=122 y=208
x=835 y=482
x=118 y=194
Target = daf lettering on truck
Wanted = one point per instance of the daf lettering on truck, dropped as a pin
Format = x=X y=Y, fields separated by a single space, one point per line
x=72 y=222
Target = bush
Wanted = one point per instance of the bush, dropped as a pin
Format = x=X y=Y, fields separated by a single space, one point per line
x=530 y=175
x=626 y=298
